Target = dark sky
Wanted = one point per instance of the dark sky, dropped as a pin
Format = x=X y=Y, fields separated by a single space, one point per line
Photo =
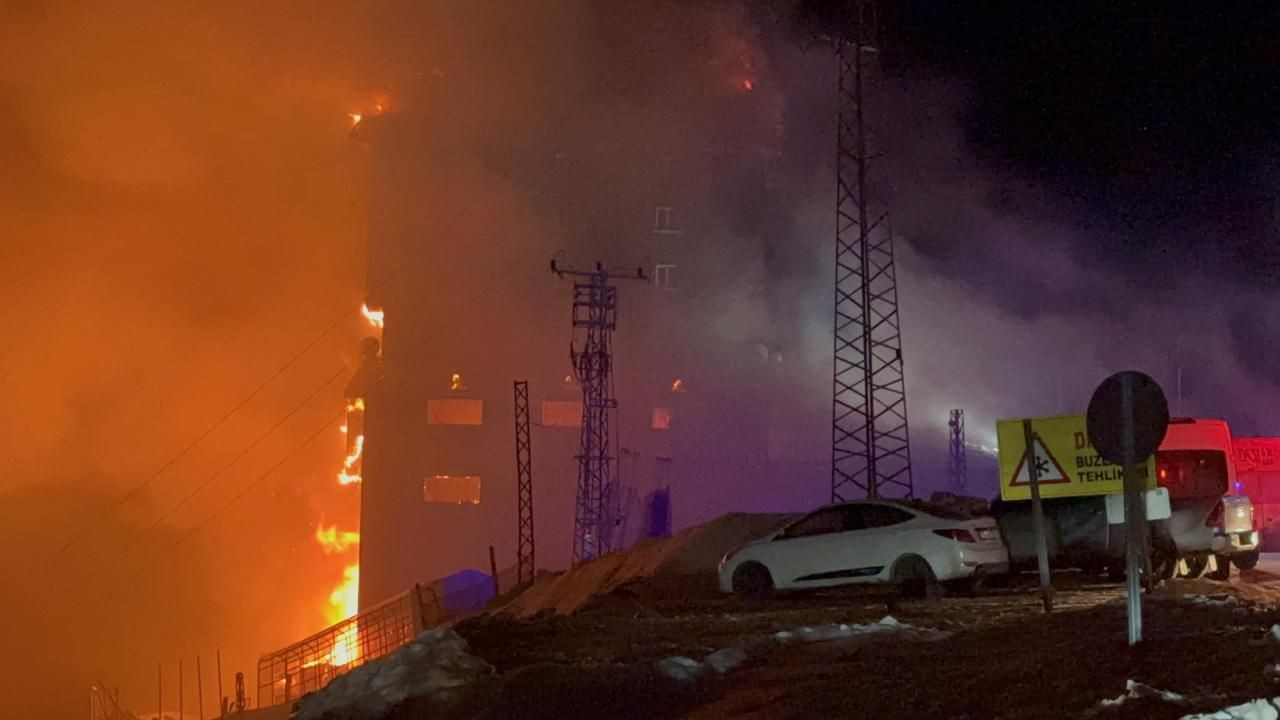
x=1154 y=127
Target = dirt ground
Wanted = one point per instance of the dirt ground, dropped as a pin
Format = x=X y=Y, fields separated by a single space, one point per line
x=1003 y=657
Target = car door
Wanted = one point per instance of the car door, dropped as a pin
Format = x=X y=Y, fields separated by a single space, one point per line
x=882 y=537
x=802 y=554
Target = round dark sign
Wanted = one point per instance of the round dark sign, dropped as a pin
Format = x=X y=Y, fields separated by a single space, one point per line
x=1105 y=420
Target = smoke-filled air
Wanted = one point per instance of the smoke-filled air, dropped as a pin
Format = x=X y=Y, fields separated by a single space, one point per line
x=207 y=209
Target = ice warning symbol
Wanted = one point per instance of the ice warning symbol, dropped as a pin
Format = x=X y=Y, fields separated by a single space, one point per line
x=1048 y=471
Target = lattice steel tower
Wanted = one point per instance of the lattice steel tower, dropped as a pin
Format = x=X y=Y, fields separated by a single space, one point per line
x=595 y=310
x=524 y=474
x=871 y=455
x=957 y=463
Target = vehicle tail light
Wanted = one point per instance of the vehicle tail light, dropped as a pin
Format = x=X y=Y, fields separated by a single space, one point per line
x=1215 y=516
x=957 y=534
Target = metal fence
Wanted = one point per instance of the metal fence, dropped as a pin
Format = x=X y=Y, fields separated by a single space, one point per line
x=309 y=665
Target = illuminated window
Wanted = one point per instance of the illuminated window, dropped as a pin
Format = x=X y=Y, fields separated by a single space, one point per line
x=664 y=220
x=562 y=413
x=662 y=418
x=451 y=489
x=455 y=411
x=663 y=276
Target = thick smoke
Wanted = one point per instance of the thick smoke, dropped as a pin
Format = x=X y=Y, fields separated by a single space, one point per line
x=183 y=212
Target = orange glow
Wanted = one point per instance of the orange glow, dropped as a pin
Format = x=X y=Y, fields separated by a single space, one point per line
x=748 y=85
x=354 y=405
x=350 y=473
x=375 y=317
x=455 y=382
x=334 y=541
x=677 y=385
x=355 y=118
x=345 y=599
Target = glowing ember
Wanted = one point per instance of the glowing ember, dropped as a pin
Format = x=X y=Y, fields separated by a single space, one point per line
x=354 y=405
x=455 y=382
x=355 y=118
x=375 y=317
x=343 y=429
x=334 y=541
x=748 y=86
x=677 y=385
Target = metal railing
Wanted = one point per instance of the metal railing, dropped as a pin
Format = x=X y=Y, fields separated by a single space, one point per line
x=310 y=664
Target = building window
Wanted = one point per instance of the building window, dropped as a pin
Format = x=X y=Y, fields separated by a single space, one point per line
x=661 y=418
x=562 y=413
x=451 y=489
x=665 y=220
x=664 y=276
x=455 y=411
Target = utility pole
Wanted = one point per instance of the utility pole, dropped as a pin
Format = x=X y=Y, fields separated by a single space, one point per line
x=957 y=463
x=525 y=564
x=595 y=316
x=870 y=454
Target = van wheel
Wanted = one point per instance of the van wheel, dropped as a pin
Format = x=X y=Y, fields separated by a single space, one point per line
x=1223 y=569
x=753 y=583
x=1246 y=560
x=915 y=579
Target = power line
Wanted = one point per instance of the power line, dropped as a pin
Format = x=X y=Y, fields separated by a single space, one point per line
x=169 y=513
x=388 y=277
x=240 y=494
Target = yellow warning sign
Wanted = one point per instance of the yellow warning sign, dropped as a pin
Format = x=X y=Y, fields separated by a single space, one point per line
x=1065 y=461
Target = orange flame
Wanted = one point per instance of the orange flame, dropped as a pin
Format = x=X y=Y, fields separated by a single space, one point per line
x=334 y=541
x=677 y=385
x=455 y=382
x=355 y=118
x=350 y=473
x=345 y=598
x=354 y=405
x=375 y=317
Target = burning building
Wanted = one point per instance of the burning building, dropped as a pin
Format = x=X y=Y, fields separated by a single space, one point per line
x=461 y=228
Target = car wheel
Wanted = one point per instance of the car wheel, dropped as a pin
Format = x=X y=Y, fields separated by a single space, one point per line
x=753 y=583
x=1223 y=569
x=915 y=579
x=1195 y=567
x=1245 y=561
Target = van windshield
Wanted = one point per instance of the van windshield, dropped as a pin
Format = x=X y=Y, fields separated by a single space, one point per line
x=1192 y=473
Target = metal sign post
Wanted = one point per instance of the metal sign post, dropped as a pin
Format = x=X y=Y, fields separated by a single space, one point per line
x=1127 y=420
x=1037 y=518
x=1135 y=525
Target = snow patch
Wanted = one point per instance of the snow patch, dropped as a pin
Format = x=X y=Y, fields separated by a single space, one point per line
x=1135 y=690
x=686 y=669
x=1260 y=709
x=1211 y=600
x=840 y=631
x=436 y=665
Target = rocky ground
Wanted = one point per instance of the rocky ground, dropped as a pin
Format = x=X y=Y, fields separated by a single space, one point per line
x=999 y=655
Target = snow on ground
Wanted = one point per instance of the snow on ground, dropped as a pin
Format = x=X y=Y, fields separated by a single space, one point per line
x=1211 y=600
x=1135 y=690
x=840 y=631
x=437 y=665
x=692 y=551
x=1260 y=709
x=686 y=669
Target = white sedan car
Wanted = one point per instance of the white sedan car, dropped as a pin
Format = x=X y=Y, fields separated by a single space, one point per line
x=910 y=544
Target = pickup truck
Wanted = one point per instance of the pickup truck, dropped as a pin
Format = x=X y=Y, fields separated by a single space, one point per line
x=1210 y=517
